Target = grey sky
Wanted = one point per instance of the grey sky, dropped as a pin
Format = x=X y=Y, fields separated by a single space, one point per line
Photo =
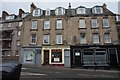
x=13 y=7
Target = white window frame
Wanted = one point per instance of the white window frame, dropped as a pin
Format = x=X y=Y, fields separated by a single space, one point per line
x=47 y=24
x=9 y=25
x=47 y=12
x=1 y=25
x=10 y=17
x=107 y=38
x=82 y=23
x=33 y=38
x=34 y=24
x=60 y=11
x=37 y=12
x=47 y=38
x=81 y=11
x=19 y=33
x=82 y=39
x=95 y=10
x=94 y=21
x=59 y=24
x=96 y=38
x=57 y=39
x=105 y=20
x=20 y=23
x=18 y=42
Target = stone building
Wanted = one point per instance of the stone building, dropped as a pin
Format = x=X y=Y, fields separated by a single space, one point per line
x=69 y=37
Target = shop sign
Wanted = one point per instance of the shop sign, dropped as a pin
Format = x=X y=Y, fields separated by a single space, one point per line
x=56 y=59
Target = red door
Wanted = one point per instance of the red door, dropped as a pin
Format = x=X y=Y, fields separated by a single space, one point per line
x=46 y=57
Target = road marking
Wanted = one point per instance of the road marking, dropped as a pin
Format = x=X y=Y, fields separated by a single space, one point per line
x=36 y=74
x=24 y=68
x=97 y=75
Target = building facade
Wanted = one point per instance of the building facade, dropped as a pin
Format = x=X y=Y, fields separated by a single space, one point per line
x=10 y=32
x=60 y=37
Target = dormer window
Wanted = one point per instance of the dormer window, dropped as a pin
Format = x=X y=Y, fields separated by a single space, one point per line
x=47 y=12
x=37 y=12
x=80 y=10
x=97 y=10
x=60 y=11
x=24 y=14
x=10 y=17
x=118 y=17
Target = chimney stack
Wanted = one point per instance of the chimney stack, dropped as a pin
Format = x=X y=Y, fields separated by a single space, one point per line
x=32 y=7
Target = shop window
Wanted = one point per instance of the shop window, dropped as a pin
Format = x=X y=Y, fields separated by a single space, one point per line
x=56 y=55
x=28 y=56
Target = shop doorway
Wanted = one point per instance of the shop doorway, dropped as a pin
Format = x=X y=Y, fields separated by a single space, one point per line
x=46 y=57
x=77 y=57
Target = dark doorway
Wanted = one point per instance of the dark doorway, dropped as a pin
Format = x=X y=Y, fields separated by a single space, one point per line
x=113 y=57
x=77 y=57
x=46 y=57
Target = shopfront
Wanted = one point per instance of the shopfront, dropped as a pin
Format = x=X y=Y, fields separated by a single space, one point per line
x=31 y=55
x=95 y=56
x=54 y=56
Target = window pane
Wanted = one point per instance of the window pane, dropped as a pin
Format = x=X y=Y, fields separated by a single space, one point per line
x=56 y=55
x=107 y=38
x=82 y=38
x=95 y=38
x=34 y=24
x=81 y=23
x=46 y=39
x=59 y=24
x=81 y=11
x=105 y=23
x=59 y=39
x=19 y=33
x=33 y=38
x=94 y=23
x=47 y=24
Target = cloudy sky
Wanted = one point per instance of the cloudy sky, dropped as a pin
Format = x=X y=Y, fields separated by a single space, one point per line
x=12 y=6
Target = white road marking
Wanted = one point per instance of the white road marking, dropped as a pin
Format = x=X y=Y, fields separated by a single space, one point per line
x=27 y=73
x=24 y=68
x=96 y=75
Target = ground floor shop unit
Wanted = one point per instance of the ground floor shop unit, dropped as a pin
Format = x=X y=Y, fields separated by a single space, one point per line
x=56 y=56
x=95 y=56
x=31 y=55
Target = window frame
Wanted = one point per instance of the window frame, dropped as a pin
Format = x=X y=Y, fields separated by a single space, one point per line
x=96 y=40
x=81 y=10
x=34 y=24
x=82 y=23
x=104 y=23
x=94 y=22
x=33 y=40
x=57 y=39
x=81 y=39
x=108 y=37
x=48 y=23
x=48 y=38
x=59 y=22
